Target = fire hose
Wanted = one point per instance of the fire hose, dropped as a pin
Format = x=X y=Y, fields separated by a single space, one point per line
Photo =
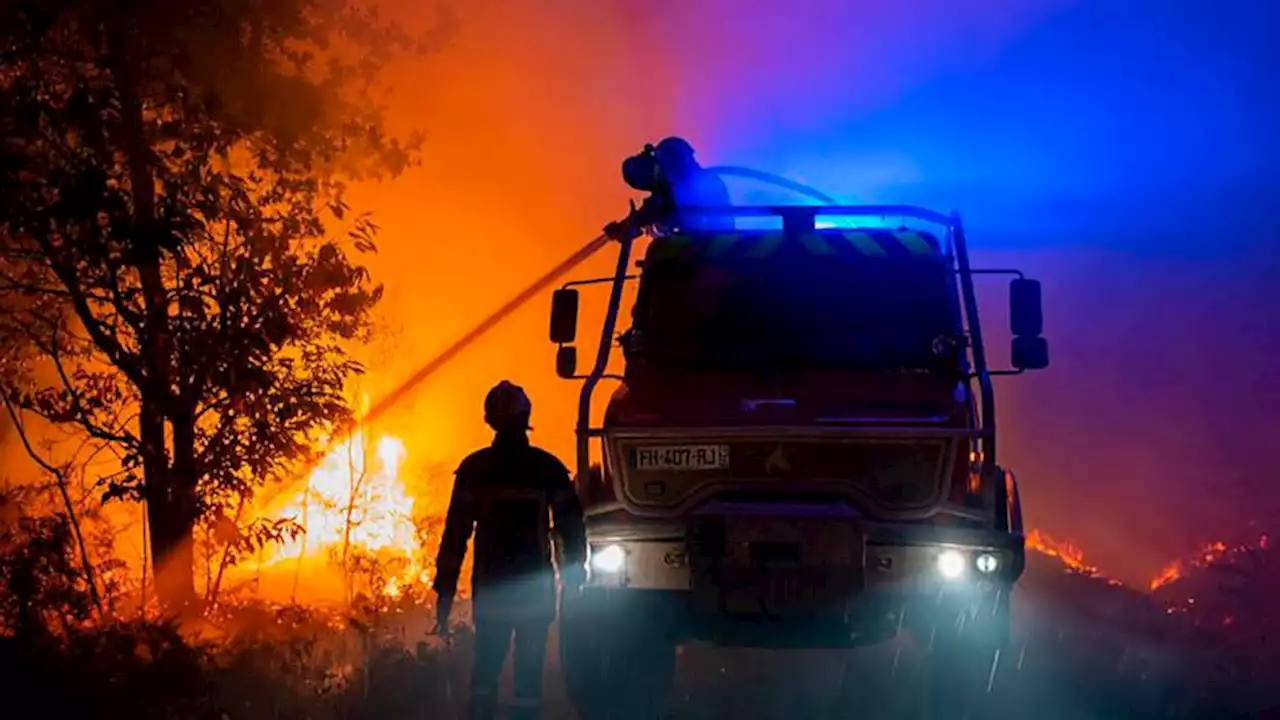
x=515 y=303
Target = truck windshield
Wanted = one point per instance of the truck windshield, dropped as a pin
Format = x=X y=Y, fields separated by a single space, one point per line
x=798 y=312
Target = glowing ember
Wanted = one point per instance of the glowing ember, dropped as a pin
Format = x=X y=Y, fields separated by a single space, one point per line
x=1067 y=552
x=1213 y=552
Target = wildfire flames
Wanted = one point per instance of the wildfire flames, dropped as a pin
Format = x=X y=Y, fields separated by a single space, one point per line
x=1211 y=553
x=1168 y=574
x=1072 y=557
x=1066 y=551
x=355 y=503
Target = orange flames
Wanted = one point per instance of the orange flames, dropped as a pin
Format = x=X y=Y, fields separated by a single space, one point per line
x=1168 y=574
x=1209 y=554
x=1072 y=557
x=354 y=503
x=1066 y=551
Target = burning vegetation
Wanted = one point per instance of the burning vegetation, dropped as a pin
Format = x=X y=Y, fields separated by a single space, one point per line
x=1072 y=557
x=356 y=516
x=353 y=502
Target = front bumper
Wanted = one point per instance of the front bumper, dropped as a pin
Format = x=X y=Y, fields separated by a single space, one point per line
x=911 y=560
x=915 y=579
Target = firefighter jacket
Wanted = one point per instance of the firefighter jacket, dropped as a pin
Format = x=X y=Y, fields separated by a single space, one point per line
x=512 y=495
x=701 y=188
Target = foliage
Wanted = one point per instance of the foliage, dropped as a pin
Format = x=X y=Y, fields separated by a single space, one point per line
x=244 y=542
x=43 y=589
x=282 y=663
x=170 y=178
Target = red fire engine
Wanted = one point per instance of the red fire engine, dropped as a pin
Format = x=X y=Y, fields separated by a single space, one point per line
x=800 y=449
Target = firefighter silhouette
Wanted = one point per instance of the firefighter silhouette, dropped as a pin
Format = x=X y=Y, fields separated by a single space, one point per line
x=507 y=494
x=670 y=172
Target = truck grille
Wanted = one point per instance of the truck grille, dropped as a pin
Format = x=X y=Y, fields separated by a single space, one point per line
x=893 y=474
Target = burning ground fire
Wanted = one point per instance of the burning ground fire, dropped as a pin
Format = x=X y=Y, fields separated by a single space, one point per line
x=1211 y=553
x=354 y=503
x=1072 y=557
x=1073 y=560
x=1067 y=552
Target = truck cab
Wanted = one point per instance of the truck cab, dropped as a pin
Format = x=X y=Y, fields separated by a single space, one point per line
x=800 y=450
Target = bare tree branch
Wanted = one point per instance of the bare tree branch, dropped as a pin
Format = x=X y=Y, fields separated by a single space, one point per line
x=61 y=480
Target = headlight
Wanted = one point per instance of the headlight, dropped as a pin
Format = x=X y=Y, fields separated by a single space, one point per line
x=987 y=563
x=608 y=560
x=951 y=564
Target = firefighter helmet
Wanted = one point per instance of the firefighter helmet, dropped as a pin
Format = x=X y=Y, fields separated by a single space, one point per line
x=507 y=403
x=675 y=158
x=674 y=148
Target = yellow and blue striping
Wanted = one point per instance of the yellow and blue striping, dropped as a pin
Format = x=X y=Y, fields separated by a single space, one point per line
x=764 y=244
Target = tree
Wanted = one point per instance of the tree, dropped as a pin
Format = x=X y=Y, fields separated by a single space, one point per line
x=169 y=178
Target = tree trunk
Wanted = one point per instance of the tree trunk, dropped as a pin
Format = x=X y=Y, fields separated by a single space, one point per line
x=170 y=489
x=170 y=499
x=172 y=546
x=172 y=554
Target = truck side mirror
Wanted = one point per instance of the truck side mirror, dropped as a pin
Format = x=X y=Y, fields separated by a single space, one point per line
x=564 y=316
x=1029 y=353
x=566 y=361
x=1026 y=318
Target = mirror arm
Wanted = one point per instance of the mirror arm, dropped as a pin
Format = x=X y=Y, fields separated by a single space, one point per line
x=1016 y=371
x=999 y=271
x=606 y=376
x=595 y=281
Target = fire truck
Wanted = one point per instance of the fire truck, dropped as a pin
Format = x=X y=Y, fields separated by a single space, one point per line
x=799 y=449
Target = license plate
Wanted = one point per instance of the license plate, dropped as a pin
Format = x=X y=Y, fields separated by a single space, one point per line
x=796 y=590
x=784 y=593
x=680 y=457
